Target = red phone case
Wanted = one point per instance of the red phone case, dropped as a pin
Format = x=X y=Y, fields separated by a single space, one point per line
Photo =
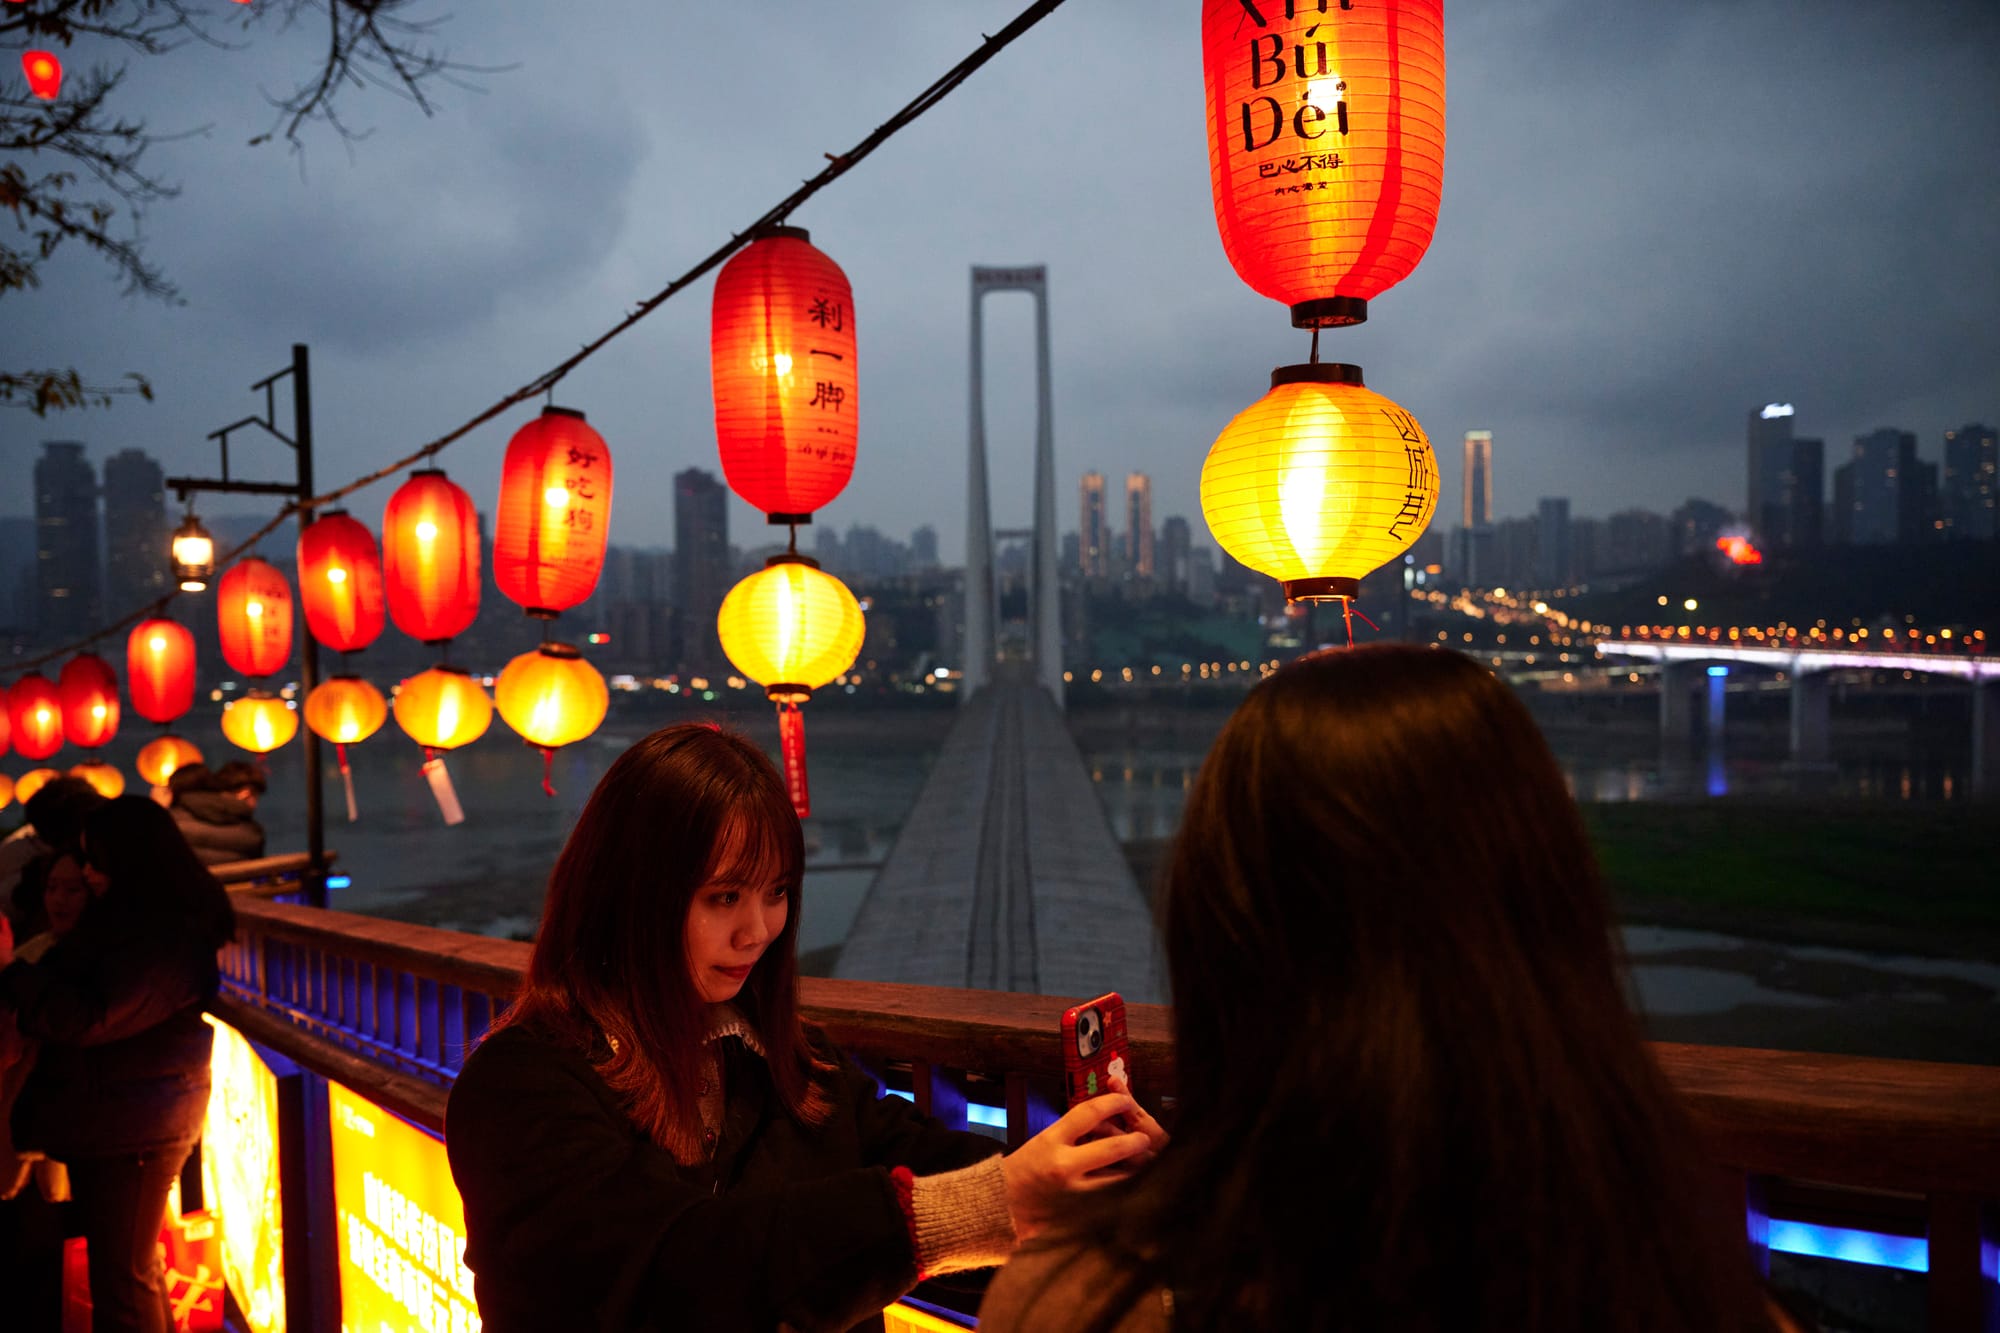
x=1087 y=1073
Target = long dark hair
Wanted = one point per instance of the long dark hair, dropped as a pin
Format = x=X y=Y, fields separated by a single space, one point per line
x=1412 y=1093
x=608 y=975
x=156 y=882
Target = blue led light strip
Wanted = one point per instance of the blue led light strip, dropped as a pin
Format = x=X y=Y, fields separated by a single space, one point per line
x=1912 y=1254
x=975 y=1112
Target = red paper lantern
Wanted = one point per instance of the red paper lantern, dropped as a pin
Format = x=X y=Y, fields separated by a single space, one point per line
x=88 y=688
x=44 y=73
x=253 y=617
x=1325 y=146
x=555 y=513
x=159 y=670
x=6 y=729
x=430 y=557
x=340 y=582
x=782 y=361
x=35 y=709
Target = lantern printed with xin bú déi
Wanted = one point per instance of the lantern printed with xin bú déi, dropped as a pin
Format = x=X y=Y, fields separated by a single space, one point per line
x=1319 y=482
x=253 y=617
x=259 y=722
x=555 y=513
x=782 y=362
x=159 y=670
x=35 y=710
x=161 y=757
x=340 y=582
x=1325 y=145
x=430 y=557
x=88 y=688
x=552 y=697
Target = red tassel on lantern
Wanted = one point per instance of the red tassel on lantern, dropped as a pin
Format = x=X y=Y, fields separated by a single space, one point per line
x=1325 y=146
x=340 y=582
x=253 y=617
x=430 y=557
x=792 y=746
x=782 y=361
x=89 y=691
x=555 y=513
x=159 y=670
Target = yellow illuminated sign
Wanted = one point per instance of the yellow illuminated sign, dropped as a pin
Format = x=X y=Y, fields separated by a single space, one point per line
x=400 y=1225
x=908 y=1319
x=239 y=1177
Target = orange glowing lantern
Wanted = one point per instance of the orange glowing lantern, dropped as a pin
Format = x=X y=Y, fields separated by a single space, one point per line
x=6 y=791
x=88 y=688
x=791 y=627
x=6 y=726
x=33 y=781
x=340 y=582
x=1319 y=482
x=430 y=557
x=44 y=73
x=346 y=709
x=35 y=709
x=160 y=758
x=555 y=513
x=782 y=362
x=1325 y=146
x=553 y=698
x=259 y=722
x=159 y=670
x=106 y=778
x=443 y=708
x=253 y=617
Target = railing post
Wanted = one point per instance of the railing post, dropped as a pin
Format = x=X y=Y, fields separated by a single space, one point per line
x=1964 y=1234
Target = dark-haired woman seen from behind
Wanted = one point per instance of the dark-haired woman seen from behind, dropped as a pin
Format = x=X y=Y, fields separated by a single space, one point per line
x=121 y=1084
x=1412 y=1093
x=651 y=1138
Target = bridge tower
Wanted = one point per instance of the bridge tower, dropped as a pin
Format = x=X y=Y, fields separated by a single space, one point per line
x=1044 y=590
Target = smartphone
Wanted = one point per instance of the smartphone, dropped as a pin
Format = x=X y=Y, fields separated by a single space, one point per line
x=1095 y=1047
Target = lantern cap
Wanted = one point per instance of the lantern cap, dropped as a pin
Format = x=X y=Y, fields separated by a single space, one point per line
x=788 y=520
x=1330 y=312
x=427 y=472
x=553 y=411
x=788 y=694
x=1317 y=372
x=562 y=651
x=539 y=613
x=1320 y=590
x=790 y=558
x=782 y=231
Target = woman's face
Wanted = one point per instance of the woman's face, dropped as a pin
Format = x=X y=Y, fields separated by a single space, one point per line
x=65 y=895
x=732 y=919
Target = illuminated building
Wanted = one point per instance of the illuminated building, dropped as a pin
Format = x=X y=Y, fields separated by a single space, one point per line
x=1765 y=506
x=1139 y=525
x=66 y=567
x=1971 y=483
x=1093 y=533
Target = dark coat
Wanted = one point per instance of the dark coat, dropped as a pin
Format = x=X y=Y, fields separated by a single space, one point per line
x=124 y=1051
x=576 y=1220
x=219 y=826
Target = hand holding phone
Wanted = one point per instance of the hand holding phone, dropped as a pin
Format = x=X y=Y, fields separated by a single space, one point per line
x=1095 y=1048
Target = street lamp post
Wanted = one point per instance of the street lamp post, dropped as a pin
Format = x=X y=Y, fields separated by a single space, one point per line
x=301 y=491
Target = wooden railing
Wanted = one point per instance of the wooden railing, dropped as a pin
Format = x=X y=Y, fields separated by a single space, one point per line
x=1892 y=1145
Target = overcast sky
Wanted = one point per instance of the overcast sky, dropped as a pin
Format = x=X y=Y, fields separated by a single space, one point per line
x=1657 y=216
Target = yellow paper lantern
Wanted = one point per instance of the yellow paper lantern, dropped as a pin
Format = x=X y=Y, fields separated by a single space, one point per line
x=106 y=778
x=6 y=791
x=553 y=698
x=158 y=759
x=1319 y=481
x=33 y=781
x=443 y=708
x=259 y=722
x=791 y=627
x=345 y=709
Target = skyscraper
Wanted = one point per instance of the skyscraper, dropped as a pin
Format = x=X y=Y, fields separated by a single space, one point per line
x=1139 y=524
x=1882 y=490
x=1093 y=533
x=1552 y=547
x=135 y=531
x=1972 y=483
x=924 y=548
x=1478 y=479
x=1175 y=544
x=1805 y=495
x=1766 y=506
x=66 y=565
x=701 y=566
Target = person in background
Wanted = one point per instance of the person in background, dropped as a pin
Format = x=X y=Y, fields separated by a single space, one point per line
x=1412 y=1093
x=120 y=1086
x=652 y=1138
x=217 y=811
x=55 y=824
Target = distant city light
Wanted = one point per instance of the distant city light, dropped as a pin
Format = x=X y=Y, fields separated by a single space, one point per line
x=1690 y=605
x=597 y=638
x=339 y=881
x=1739 y=550
x=1774 y=410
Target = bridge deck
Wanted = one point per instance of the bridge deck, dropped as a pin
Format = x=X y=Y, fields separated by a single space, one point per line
x=1006 y=875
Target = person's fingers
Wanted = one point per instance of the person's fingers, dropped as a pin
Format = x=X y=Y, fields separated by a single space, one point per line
x=1097 y=1154
x=1084 y=1117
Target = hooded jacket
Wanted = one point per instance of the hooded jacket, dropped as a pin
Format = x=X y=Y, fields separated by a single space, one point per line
x=219 y=825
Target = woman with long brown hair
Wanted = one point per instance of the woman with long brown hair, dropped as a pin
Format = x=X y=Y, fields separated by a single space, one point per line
x=1413 y=1095
x=651 y=1137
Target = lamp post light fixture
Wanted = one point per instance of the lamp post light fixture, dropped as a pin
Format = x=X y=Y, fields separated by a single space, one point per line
x=193 y=555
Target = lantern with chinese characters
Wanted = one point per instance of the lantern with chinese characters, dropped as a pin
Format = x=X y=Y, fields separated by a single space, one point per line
x=791 y=628
x=35 y=709
x=552 y=697
x=430 y=557
x=44 y=73
x=253 y=617
x=161 y=757
x=104 y=778
x=782 y=363
x=555 y=513
x=1319 y=482
x=259 y=722
x=442 y=709
x=33 y=781
x=88 y=688
x=159 y=670
x=1325 y=146
x=345 y=709
x=340 y=582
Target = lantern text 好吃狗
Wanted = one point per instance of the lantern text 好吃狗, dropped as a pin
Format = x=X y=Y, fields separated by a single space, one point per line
x=253 y=617
x=1326 y=133
x=430 y=557
x=88 y=688
x=554 y=515
x=340 y=582
x=782 y=363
